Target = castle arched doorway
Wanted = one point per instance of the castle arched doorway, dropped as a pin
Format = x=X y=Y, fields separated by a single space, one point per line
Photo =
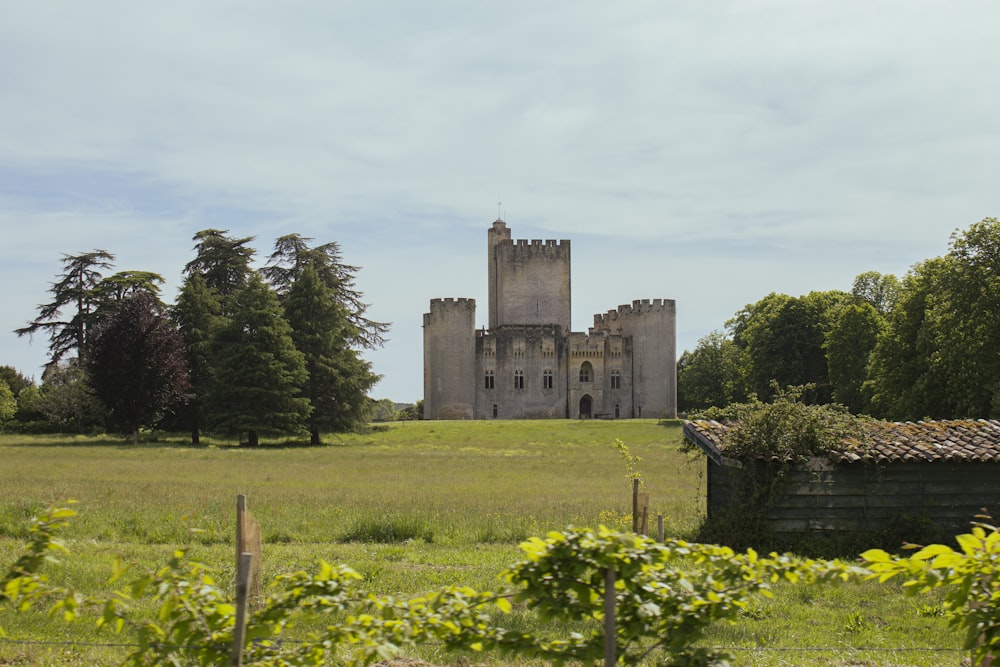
x=586 y=406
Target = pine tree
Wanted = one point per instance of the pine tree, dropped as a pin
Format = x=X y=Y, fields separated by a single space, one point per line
x=223 y=261
x=292 y=255
x=338 y=378
x=256 y=373
x=197 y=313
x=75 y=290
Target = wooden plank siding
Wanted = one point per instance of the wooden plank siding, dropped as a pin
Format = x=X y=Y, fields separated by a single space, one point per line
x=862 y=496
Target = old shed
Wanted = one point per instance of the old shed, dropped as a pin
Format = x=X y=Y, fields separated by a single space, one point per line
x=935 y=473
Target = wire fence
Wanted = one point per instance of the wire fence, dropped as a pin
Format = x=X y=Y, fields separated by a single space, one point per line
x=729 y=649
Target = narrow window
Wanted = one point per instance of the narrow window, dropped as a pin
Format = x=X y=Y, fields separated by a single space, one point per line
x=518 y=379
x=618 y=411
x=616 y=380
x=586 y=372
x=495 y=411
x=547 y=379
x=489 y=379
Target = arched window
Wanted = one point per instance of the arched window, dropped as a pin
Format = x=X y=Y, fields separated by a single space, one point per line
x=547 y=379
x=496 y=411
x=489 y=379
x=586 y=372
x=518 y=379
x=616 y=379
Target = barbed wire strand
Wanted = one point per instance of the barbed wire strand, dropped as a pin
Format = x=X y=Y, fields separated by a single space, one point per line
x=744 y=649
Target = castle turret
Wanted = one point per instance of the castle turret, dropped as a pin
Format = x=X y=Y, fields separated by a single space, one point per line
x=450 y=359
x=529 y=281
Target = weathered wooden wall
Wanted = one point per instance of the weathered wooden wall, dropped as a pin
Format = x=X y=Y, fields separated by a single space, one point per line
x=866 y=497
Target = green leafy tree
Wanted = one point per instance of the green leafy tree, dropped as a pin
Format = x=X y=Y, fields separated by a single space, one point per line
x=338 y=378
x=16 y=381
x=256 y=374
x=853 y=334
x=223 y=261
x=197 y=312
x=710 y=374
x=880 y=290
x=292 y=254
x=383 y=410
x=137 y=365
x=906 y=382
x=67 y=400
x=782 y=337
x=75 y=291
x=965 y=310
x=8 y=404
x=29 y=401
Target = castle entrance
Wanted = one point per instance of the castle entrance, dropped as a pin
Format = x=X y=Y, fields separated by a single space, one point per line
x=586 y=404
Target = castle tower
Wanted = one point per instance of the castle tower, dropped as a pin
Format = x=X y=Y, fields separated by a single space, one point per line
x=497 y=234
x=450 y=359
x=652 y=327
x=529 y=282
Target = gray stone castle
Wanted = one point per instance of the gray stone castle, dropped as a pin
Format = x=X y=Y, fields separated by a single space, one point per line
x=528 y=364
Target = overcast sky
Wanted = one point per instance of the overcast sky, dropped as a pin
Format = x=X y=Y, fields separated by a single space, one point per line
x=709 y=152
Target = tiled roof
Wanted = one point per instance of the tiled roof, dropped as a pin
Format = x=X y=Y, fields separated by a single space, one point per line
x=953 y=440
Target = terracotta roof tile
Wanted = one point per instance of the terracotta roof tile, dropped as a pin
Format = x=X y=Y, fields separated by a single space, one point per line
x=952 y=440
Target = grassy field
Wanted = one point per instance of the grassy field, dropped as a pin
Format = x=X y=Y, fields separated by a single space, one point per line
x=411 y=506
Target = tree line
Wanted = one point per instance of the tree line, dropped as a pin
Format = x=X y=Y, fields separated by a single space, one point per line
x=241 y=352
x=926 y=346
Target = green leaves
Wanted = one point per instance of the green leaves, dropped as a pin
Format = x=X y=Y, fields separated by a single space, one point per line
x=968 y=579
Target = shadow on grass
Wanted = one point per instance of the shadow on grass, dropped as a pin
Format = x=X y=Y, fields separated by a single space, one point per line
x=165 y=440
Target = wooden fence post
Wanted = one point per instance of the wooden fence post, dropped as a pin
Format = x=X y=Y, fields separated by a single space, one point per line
x=610 y=632
x=659 y=528
x=248 y=540
x=635 y=506
x=244 y=567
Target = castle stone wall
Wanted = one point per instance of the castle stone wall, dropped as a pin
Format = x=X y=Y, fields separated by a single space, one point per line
x=450 y=359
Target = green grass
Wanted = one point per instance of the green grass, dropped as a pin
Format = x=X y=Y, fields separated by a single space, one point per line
x=411 y=506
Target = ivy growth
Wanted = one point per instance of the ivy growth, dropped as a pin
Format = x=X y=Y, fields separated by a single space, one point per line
x=788 y=429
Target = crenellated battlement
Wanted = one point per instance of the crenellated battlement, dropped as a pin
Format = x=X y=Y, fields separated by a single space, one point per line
x=536 y=246
x=638 y=307
x=451 y=302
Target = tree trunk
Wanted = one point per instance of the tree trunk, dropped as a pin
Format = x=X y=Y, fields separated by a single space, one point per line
x=135 y=437
x=252 y=438
x=314 y=436
x=195 y=435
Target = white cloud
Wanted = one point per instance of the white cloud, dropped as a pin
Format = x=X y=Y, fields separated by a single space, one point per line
x=710 y=152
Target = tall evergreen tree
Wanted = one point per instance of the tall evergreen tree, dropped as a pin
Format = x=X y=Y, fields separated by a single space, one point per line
x=257 y=374
x=137 y=366
x=223 y=261
x=74 y=292
x=338 y=378
x=292 y=254
x=197 y=313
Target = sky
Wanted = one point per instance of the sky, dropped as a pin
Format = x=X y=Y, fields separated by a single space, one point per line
x=707 y=152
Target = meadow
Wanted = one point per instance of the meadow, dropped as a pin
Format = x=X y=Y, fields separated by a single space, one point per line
x=411 y=506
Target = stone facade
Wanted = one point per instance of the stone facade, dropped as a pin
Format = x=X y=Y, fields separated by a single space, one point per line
x=528 y=364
